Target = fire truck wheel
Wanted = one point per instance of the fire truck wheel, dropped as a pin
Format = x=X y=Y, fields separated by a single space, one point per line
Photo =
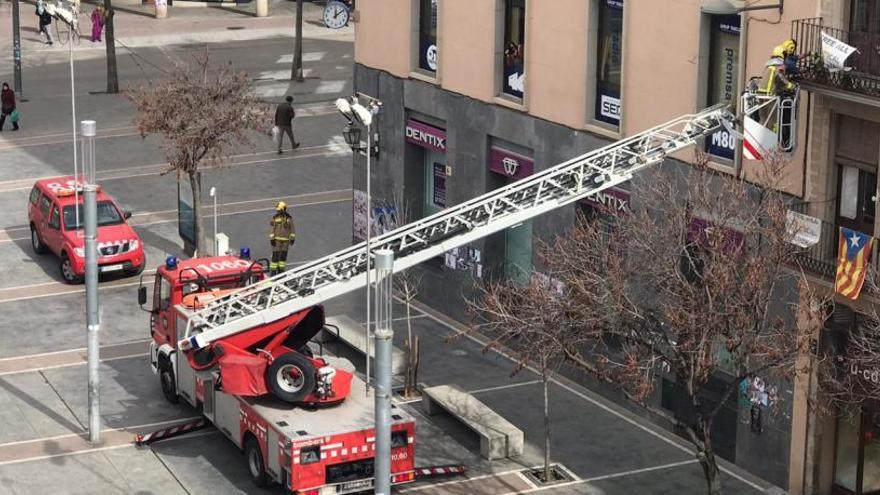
x=166 y=379
x=255 y=461
x=291 y=377
x=36 y=242
x=67 y=272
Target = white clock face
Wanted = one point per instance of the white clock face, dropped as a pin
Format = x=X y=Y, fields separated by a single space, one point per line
x=335 y=15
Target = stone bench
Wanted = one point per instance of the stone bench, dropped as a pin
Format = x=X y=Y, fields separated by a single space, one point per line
x=498 y=437
x=355 y=335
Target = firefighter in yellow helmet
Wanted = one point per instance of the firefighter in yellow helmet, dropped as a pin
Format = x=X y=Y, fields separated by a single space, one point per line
x=282 y=235
x=775 y=75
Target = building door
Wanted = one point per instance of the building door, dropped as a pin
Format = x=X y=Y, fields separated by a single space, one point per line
x=865 y=16
x=857 y=461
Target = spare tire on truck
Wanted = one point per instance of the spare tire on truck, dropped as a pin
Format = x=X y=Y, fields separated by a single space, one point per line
x=291 y=377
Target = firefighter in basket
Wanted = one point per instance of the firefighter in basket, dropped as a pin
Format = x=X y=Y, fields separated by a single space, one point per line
x=282 y=236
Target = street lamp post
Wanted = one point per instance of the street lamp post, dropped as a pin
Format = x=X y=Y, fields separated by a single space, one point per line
x=93 y=321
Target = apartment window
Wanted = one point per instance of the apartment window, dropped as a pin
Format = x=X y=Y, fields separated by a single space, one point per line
x=856 y=155
x=428 y=58
x=865 y=16
x=514 y=77
x=609 y=61
x=723 y=76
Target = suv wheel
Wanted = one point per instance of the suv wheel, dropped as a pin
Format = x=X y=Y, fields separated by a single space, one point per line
x=67 y=273
x=36 y=243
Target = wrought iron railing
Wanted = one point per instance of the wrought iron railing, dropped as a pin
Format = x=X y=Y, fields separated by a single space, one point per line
x=863 y=78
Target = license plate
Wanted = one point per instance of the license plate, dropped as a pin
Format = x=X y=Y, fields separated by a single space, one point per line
x=352 y=485
x=111 y=268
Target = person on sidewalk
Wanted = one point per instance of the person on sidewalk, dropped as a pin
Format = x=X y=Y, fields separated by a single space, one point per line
x=282 y=235
x=45 y=21
x=7 y=107
x=97 y=23
x=284 y=115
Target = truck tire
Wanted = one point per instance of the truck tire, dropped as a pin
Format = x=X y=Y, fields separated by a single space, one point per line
x=36 y=242
x=291 y=377
x=167 y=380
x=255 y=464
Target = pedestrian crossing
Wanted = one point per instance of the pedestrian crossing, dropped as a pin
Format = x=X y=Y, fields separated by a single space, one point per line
x=325 y=80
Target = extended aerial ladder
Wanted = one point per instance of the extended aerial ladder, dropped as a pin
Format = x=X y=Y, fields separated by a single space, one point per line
x=338 y=273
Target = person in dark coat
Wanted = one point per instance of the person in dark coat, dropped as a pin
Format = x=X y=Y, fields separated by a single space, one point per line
x=45 y=21
x=7 y=106
x=284 y=115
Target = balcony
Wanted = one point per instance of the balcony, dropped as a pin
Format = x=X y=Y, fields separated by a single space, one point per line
x=862 y=80
x=821 y=259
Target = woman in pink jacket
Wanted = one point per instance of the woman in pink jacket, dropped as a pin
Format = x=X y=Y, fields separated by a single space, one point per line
x=97 y=23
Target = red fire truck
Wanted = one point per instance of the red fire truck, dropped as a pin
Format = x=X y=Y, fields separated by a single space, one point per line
x=303 y=421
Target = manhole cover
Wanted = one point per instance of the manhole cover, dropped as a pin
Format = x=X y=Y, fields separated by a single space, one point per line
x=234 y=28
x=557 y=475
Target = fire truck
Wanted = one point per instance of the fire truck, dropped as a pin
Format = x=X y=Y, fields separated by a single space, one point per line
x=234 y=343
x=253 y=386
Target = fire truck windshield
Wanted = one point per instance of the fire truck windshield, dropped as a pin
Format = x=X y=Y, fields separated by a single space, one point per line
x=107 y=215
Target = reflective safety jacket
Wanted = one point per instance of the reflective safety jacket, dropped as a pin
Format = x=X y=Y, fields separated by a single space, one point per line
x=282 y=230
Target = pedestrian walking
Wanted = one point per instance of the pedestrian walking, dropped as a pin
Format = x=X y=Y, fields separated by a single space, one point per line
x=98 y=19
x=45 y=19
x=281 y=237
x=7 y=107
x=284 y=115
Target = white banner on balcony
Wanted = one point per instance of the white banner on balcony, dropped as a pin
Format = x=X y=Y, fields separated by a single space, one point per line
x=835 y=52
x=805 y=230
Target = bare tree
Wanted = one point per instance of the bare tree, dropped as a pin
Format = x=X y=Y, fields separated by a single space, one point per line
x=407 y=285
x=533 y=322
x=202 y=113
x=682 y=287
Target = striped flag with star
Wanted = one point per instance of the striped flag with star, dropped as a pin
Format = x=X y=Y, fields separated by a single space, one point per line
x=852 y=262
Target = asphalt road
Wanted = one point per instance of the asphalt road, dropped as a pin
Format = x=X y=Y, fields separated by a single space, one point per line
x=43 y=406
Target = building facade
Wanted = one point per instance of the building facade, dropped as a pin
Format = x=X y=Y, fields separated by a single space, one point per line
x=478 y=94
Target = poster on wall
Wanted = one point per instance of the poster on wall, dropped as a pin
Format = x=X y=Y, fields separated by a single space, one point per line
x=439 y=194
x=723 y=63
x=359 y=215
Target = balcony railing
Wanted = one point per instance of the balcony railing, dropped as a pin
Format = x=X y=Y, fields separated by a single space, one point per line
x=821 y=258
x=863 y=79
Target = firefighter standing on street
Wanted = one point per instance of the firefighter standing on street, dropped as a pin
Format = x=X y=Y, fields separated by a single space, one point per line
x=282 y=235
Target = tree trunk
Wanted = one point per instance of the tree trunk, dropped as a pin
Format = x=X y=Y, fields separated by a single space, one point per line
x=195 y=183
x=706 y=456
x=545 y=378
x=297 y=70
x=109 y=41
x=410 y=356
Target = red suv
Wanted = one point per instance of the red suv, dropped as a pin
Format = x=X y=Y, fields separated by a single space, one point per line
x=56 y=223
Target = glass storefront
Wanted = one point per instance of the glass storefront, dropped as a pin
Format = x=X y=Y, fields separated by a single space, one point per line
x=857 y=459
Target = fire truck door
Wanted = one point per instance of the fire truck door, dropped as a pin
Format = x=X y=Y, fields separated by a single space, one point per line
x=227 y=417
x=272 y=452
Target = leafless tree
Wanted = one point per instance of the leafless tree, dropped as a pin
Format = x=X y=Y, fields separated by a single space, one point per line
x=531 y=321
x=683 y=286
x=407 y=285
x=202 y=111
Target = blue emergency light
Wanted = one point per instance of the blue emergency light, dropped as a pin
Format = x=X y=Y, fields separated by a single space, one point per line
x=171 y=262
x=245 y=253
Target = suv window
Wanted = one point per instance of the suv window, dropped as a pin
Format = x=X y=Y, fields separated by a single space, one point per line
x=55 y=219
x=35 y=195
x=45 y=203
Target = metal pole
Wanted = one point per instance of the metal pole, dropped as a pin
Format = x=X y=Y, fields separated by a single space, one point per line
x=92 y=319
x=384 y=336
x=369 y=229
x=216 y=244
x=16 y=47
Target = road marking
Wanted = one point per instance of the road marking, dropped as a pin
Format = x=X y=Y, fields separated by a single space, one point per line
x=430 y=312
x=315 y=110
x=307 y=57
x=76 y=443
x=332 y=149
x=330 y=87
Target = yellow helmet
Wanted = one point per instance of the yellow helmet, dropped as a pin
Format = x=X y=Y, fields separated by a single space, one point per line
x=779 y=51
x=789 y=46
x=281 y=206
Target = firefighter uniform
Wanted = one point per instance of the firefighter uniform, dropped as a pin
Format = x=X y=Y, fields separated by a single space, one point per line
x=281 y=236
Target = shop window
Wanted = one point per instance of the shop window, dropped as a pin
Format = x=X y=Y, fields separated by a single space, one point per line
x=609 y=61
x=857 y=460
x=428 y=55
x=435 y=183
x=513 y=74
x=722 y=77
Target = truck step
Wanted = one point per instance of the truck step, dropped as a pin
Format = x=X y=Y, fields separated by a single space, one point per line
x=169 y=432
x=435 y=471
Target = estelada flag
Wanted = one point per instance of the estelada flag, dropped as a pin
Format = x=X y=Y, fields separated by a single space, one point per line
x=852 y=262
